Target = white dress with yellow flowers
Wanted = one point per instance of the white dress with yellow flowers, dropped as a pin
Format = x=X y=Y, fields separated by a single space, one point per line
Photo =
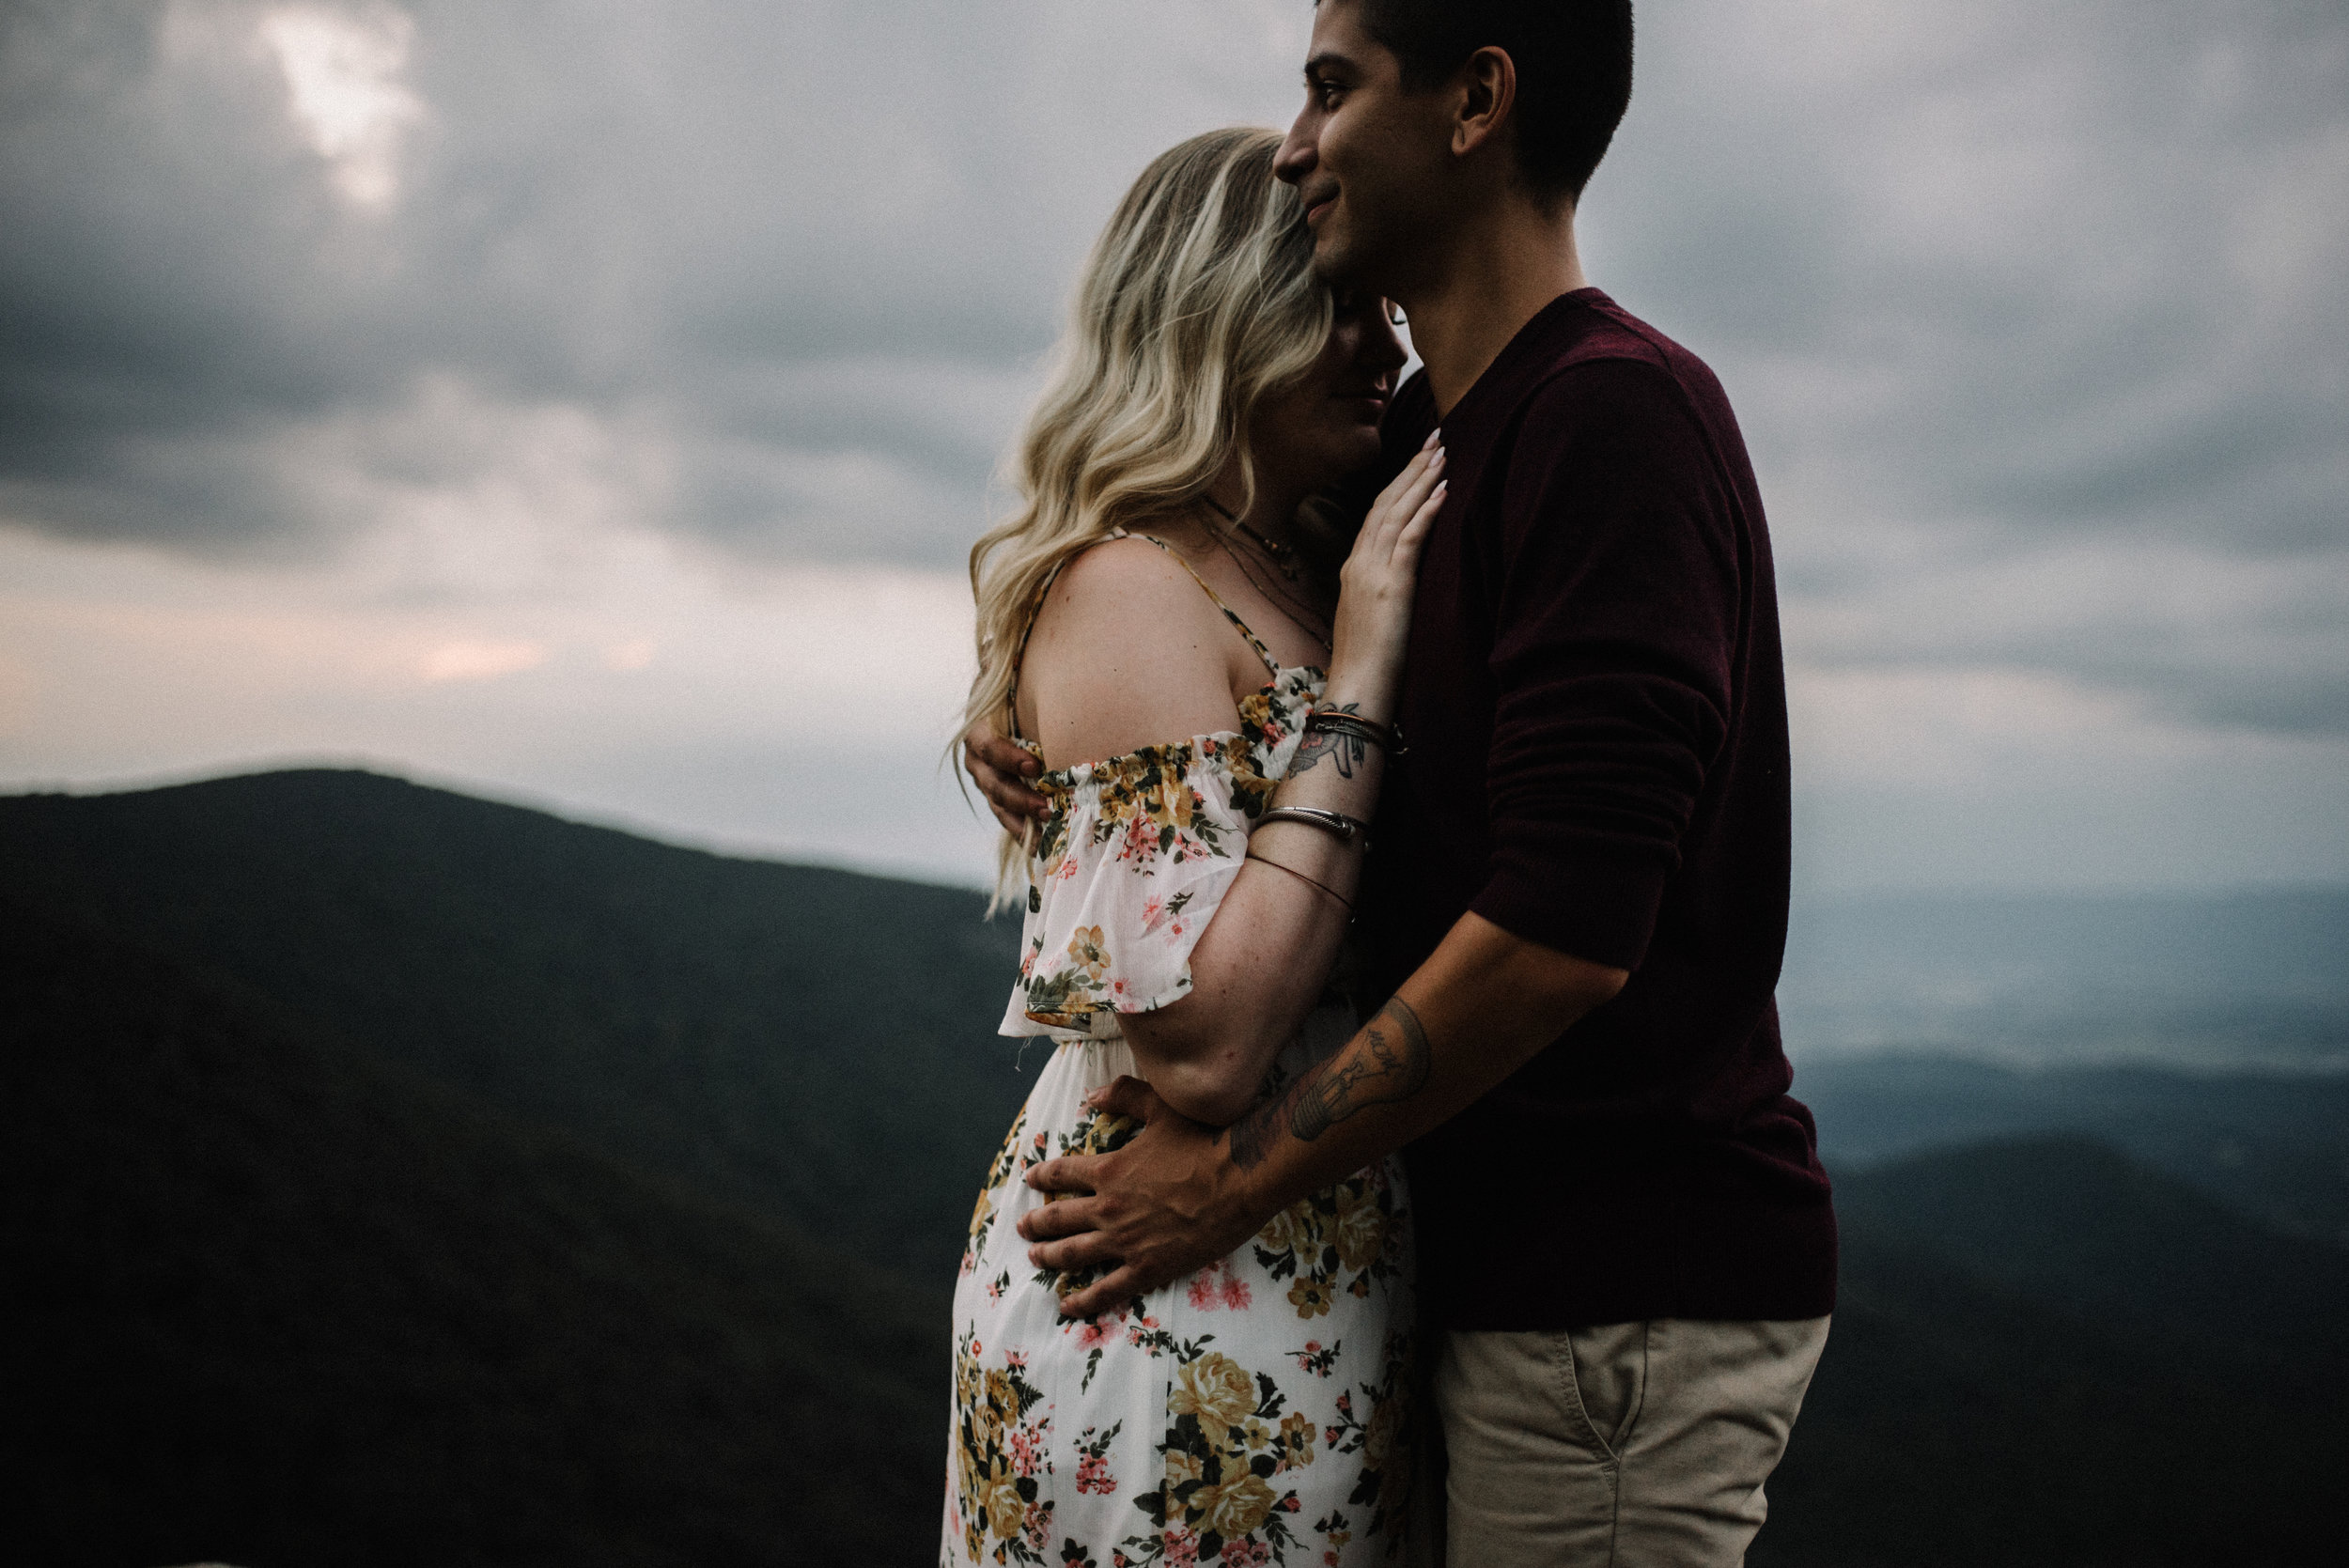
x=1256 y=1412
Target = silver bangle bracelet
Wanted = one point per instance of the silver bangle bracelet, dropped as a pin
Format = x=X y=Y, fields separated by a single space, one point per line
x=1346 y=828
x=1387 y=737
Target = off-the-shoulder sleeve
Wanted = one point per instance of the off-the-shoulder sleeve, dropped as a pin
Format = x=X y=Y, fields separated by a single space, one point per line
x=1137 y=855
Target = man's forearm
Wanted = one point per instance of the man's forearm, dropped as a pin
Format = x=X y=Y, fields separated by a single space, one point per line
x=1482 y=1006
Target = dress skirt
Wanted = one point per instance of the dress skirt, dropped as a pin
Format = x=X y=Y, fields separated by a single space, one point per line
x=1255 y=1413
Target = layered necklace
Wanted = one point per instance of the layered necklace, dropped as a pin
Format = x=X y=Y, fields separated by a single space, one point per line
x=1281 y=557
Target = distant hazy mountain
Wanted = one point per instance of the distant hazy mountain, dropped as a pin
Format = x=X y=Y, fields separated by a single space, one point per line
x=396 y=1178
x=2084 y=1229
x=2272 y=1146
x=2207 y=983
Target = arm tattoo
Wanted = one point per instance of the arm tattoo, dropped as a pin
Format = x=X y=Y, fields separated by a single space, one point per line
x=1349 y=750
x=1387 y=1062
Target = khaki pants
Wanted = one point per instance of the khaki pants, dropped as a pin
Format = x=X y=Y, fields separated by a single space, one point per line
x=1631 y=1445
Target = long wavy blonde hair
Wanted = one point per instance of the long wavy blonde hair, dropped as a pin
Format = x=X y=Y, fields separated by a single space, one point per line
x=1198 y=299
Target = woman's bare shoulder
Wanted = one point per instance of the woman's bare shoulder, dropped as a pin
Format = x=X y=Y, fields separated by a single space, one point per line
x=1127 y=651
x=1129 y=591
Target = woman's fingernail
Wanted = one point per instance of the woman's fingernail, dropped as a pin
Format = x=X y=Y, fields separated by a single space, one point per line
x=1433 y=436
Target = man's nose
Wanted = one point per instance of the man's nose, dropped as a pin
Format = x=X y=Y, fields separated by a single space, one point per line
x=1296 y=159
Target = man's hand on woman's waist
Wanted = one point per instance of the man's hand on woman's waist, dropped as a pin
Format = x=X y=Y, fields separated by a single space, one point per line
x=1182 y=1195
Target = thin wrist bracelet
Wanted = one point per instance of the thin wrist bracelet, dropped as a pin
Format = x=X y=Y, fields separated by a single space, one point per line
x=1344 y=902
x=1347 y=828
x=1387 y=737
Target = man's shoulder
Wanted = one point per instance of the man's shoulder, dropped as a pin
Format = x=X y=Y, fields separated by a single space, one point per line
x=1583 y=367
x=1601 y=345
x=1602 y=375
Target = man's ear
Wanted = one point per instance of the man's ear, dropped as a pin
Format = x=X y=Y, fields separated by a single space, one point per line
x=1489 y=92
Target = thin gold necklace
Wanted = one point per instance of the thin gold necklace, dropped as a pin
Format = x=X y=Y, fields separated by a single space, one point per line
x=1305 y=619
x=1282 y=555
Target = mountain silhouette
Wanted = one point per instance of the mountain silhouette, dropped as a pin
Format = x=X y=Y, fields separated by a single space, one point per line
x=813 y=1043
x=2032 y=1353
x=393 y=1177
x=2085 y=1230
x=2274 y=1146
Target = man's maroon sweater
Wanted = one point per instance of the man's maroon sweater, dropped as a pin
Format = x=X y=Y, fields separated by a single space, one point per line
x=1596 y=708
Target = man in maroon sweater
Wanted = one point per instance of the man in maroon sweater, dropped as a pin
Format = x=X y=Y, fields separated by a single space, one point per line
x=1580 y=893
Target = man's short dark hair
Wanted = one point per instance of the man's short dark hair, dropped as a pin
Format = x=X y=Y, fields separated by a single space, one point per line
x=1574 y=71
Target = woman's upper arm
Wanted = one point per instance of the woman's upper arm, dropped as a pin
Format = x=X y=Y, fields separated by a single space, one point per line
x=1126 y=653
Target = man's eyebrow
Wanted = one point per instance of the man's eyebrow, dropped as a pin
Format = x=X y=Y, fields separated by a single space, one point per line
x=1327 y=60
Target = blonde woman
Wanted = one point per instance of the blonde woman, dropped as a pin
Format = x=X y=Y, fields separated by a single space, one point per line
x=1210 y=712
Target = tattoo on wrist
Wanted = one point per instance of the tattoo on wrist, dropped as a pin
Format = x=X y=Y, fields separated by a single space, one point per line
x=1387 y=1062
x=1349 y=749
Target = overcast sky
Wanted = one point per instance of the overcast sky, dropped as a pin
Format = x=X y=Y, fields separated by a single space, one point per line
x=591 y=402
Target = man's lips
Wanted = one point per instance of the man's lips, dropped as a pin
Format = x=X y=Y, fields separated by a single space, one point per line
x=1316 y=206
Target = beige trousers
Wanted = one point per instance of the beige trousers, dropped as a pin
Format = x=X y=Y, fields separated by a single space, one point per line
x=1629 y=1445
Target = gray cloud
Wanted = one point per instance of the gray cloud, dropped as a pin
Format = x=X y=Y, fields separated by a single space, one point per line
x=2034 y=314
x=812 y=251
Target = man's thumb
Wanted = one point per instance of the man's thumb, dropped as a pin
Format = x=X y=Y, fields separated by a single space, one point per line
x=1129 y=1096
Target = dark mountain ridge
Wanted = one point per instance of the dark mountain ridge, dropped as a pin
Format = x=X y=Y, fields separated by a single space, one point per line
x=269 y=1302
x=753 y=1028
x=1957 y=1421
x=395 y=1176
x=2085 y=1230
x=2272 y=1146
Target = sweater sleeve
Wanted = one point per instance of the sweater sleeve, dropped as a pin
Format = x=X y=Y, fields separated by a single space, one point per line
x=1617 y=619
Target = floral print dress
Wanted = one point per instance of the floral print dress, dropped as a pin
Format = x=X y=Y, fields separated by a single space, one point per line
x=1255 y=1413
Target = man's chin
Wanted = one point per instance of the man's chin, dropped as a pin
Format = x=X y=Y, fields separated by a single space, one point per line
x=1343 y=264
x=1334 y=260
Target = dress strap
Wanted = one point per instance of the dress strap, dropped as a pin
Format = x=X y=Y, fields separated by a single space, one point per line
x=1020 y=654
x=1241 y=627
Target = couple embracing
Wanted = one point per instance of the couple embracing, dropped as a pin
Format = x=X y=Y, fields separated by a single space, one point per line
x=1395 y=785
